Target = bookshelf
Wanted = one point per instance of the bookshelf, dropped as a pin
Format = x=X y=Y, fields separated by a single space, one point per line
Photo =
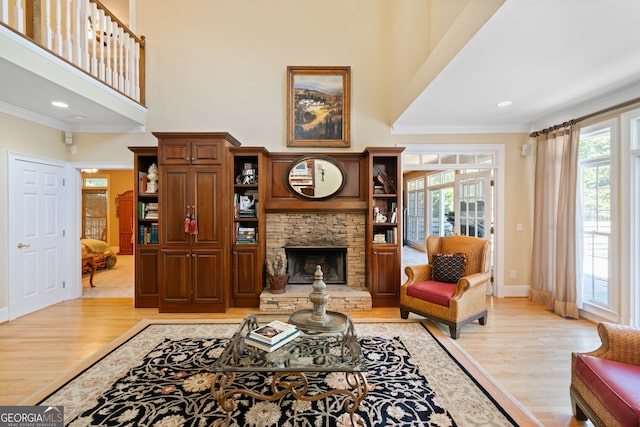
x=145 y=220
x=384 y=225
x=248 y=240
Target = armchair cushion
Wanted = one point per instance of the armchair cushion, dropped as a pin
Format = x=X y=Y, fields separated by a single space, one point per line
x=448 y=267
x=615 y=384
x=432 y=291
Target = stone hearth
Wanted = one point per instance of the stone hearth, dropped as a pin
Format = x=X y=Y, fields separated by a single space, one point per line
x=342 y=298
x=345 y=230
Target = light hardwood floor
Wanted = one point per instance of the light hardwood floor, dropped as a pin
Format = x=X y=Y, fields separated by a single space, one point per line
x=523 y=346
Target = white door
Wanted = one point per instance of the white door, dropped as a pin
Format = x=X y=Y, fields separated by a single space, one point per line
x=473 y=201
x=36 y=224
x=473 y=205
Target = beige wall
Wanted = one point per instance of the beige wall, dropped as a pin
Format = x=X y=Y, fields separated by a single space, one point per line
x=232 y=68
x=212 y=66
x=21 y=137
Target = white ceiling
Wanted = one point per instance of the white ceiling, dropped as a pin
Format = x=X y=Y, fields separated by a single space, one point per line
x=27 y=94
x=548 y=57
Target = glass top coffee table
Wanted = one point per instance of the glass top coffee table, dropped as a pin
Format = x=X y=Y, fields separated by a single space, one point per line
x=316 y=350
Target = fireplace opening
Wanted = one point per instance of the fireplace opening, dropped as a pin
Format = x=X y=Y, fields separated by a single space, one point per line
x=302 y=262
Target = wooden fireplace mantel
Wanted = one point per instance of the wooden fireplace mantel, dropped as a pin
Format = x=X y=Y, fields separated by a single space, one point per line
x=353 y=198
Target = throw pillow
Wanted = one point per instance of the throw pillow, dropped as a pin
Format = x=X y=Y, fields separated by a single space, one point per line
x=448 y=267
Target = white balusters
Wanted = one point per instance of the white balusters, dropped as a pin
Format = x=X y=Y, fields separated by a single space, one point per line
x=120 y=80
x=127 y=58
x=19 y=17
x=108 y=58
x=84 y=34
x=48 y=33
x=116 y=57
x=4 y=12
x=136 y=68
x=58 y=32
x=93 y=37
x=68 y=46
x=104 y=38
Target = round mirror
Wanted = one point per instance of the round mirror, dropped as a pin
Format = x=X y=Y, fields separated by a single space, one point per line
x=315 y=177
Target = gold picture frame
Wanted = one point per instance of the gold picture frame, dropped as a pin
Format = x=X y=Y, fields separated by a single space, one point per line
x=318 y=106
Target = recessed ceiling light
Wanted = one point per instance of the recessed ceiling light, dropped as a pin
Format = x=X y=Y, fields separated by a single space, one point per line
x=59 y=104
x=504 y=103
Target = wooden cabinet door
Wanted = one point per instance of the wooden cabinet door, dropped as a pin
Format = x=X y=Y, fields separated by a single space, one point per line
x=208 y=278
x=385 y=280
x=206 y=152
x=175 y=279
x=175 y=152
x=206 y=184
x=175 y=203
x=146 y=277
x=125 y=223
x=247 y=278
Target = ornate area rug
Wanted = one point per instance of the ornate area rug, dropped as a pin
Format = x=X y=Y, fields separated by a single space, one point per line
x=158 y=375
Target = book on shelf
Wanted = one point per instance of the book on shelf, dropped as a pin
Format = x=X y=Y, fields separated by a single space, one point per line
x=392 y=236
x=142 y=182
x=246 y=234
x=379 y=238
x=148 y=234
x=147 y=210
x=271 y=347
x=273 y=332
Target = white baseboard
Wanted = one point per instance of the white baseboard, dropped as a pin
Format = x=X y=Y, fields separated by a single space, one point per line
x=4 y=314
x=513 y=291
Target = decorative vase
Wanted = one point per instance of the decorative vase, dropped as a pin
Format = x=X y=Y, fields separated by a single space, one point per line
x=278 y=283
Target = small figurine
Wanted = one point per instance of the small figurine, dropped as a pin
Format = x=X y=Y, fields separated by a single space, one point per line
x=152 y=176
x=378 y=216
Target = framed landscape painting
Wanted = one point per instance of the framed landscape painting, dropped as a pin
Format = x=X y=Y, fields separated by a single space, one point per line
x=318 y=106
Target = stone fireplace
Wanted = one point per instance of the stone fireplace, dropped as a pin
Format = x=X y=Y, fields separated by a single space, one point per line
x=302 y=262
x=325 y=233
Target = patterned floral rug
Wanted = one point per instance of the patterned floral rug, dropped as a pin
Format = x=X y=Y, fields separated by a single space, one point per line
x=160 y=376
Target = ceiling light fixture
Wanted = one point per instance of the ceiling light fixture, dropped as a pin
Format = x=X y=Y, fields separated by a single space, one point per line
x=78 y=117
x=504 y=104
x=59 y=104
x=88 y=170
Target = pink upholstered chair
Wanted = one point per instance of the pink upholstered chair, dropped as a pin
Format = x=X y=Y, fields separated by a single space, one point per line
x=450 y=297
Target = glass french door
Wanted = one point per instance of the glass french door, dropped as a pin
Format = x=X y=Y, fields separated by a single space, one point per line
x=473 y=213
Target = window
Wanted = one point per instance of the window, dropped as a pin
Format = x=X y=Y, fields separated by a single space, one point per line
x=595 y=186
x=94 y=208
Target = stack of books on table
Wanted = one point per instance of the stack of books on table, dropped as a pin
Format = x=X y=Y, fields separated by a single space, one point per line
x=272 y=336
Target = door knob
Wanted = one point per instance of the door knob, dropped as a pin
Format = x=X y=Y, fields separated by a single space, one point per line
x=23 y=245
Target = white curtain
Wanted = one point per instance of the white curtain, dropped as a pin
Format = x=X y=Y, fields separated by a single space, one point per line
x=554 y=272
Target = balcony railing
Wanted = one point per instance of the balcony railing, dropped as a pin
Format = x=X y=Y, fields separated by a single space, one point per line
x=87 y=35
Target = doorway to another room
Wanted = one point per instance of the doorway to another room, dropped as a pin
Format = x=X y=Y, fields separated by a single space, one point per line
x=452 y=190
x=107 y=233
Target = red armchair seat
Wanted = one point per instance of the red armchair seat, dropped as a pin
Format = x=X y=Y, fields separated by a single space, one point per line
x=605 y=382
x=430 y=290
x=615 y=384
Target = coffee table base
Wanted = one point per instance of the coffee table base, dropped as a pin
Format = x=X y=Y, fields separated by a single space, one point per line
x=295 y=383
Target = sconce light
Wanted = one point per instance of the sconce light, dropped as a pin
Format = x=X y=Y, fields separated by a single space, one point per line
x=525 y=150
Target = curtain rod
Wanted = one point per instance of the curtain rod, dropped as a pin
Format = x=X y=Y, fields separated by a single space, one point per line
x=585 y=117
